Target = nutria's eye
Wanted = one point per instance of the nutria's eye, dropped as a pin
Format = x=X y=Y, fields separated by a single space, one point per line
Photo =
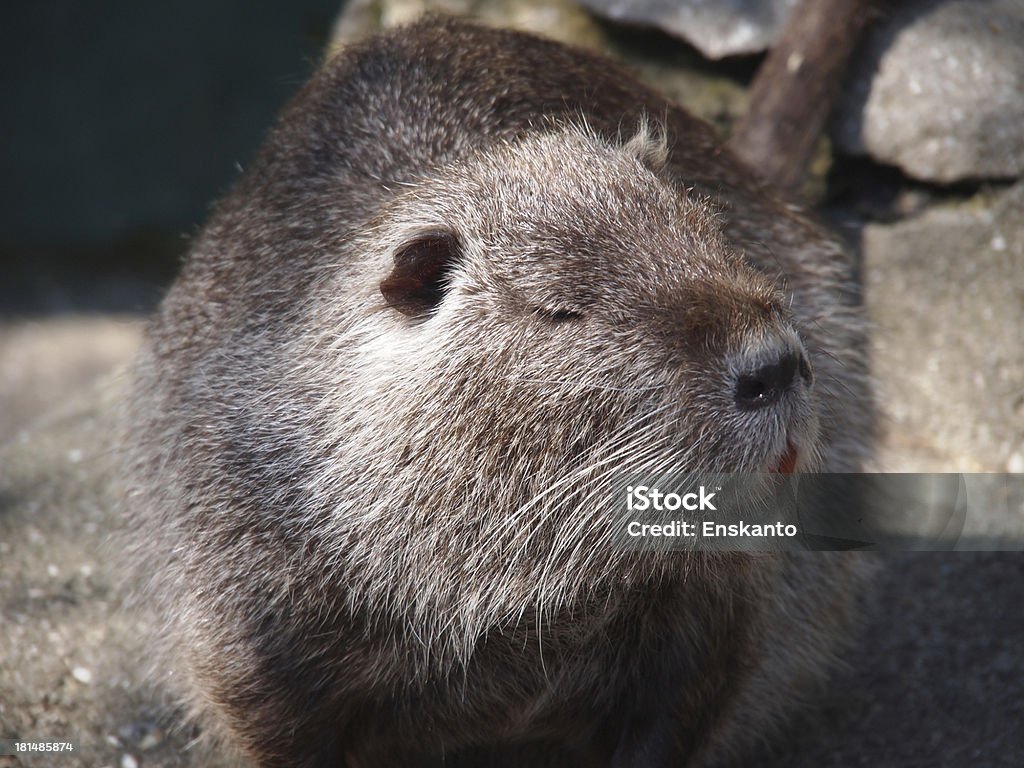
x=559 y=315
x=419 y=280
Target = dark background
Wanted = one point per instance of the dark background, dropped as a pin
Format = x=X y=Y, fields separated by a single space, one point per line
x=120 y=122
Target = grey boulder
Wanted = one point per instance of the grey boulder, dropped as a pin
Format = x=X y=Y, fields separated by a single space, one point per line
x=938 y=90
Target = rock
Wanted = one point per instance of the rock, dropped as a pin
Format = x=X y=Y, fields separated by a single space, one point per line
x=936 y=91
x=716 y=29
x=945 y=292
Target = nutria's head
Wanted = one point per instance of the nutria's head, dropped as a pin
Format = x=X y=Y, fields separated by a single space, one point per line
x=522 y=325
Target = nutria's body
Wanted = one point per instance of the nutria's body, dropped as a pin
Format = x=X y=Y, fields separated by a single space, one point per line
x=433 y=298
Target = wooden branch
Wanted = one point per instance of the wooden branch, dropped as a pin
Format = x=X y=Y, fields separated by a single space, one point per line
x=794 y=89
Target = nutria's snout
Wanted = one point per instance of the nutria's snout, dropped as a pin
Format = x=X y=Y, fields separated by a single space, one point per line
x=771 y=390
x=765 y=383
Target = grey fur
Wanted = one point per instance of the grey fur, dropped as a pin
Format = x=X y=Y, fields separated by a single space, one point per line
x=345 y=513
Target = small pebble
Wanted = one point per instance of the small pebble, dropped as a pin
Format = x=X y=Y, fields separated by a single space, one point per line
x=128 y=761
x=82 y=675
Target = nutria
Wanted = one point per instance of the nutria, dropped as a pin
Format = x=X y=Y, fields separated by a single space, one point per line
x=470 y=273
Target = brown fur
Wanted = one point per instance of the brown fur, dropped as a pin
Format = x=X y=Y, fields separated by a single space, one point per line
x=343 y=504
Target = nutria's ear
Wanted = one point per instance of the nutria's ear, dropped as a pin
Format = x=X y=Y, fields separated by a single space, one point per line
x=422 y=266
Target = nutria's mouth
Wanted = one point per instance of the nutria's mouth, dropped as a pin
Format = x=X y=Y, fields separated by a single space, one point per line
x=787 y=464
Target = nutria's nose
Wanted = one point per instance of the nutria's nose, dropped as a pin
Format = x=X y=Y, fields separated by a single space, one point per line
x=767 y=383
